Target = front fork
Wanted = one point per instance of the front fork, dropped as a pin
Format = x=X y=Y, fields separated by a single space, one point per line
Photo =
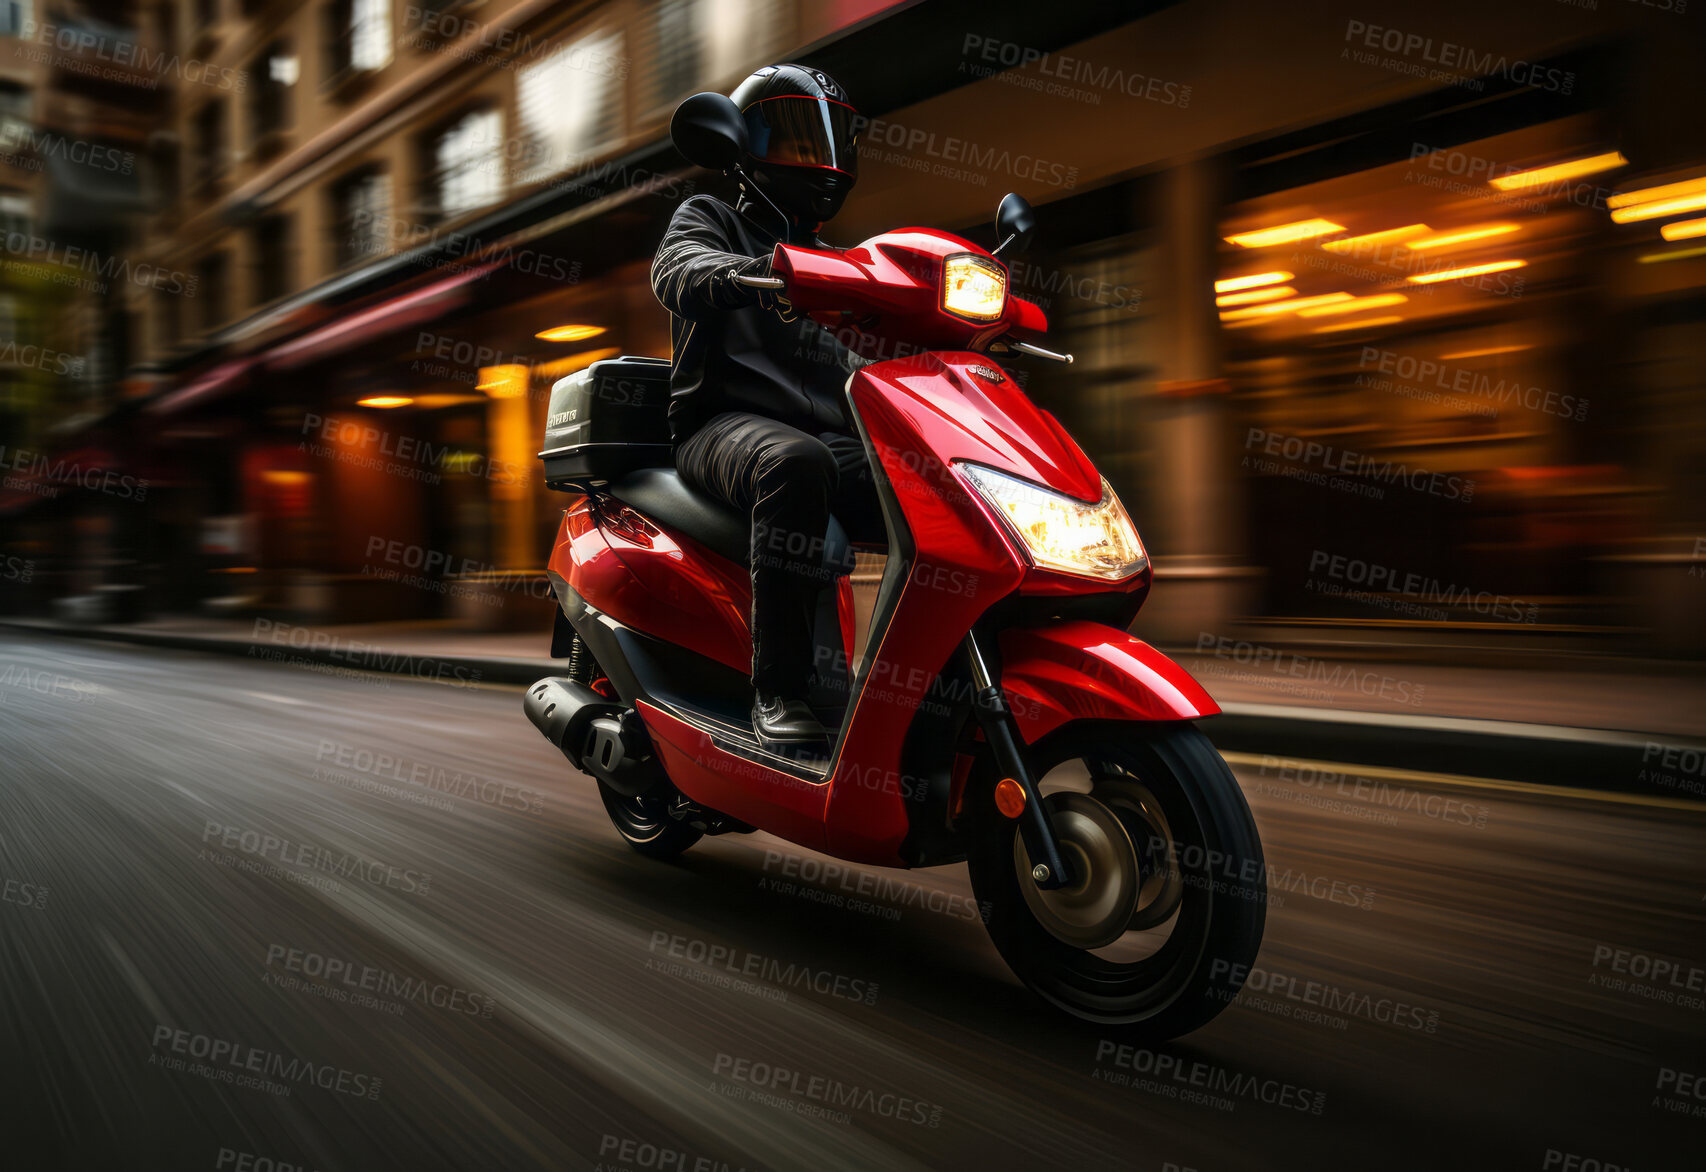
x=1051 y=868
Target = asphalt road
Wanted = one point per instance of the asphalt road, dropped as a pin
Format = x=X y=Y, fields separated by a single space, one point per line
x=1453 y=976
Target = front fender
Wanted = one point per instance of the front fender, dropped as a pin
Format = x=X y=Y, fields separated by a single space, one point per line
x=1090 y=671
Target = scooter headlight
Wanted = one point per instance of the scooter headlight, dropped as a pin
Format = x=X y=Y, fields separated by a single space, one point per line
x=1060 y=532
x=973 y=287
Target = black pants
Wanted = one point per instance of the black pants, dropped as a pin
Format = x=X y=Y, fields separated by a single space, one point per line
x=789 y=482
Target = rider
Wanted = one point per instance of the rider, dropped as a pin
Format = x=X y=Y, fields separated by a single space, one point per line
x=756 y=391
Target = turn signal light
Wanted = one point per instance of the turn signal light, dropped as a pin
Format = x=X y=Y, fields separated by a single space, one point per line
x=1009 y=797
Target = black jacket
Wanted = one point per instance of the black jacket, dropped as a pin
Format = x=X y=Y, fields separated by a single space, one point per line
x=730 y=352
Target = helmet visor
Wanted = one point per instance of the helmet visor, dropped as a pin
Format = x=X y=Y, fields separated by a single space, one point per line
x=800 y=131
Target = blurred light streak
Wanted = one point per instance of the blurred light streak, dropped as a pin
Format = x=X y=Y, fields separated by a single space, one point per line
x=1497 y=266
x=1357 y=325
x=1251 y=296
x=1284 y=306
x=1285 y=234
x=1575 y=169
x=1464 y=236
x=1374 y=239
x=1251 y=281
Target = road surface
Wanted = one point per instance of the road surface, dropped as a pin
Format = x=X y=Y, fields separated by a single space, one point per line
x=260 y=912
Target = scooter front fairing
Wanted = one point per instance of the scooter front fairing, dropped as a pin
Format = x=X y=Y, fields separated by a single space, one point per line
x=951 y=560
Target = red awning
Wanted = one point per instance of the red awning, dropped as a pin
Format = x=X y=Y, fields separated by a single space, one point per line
x=334 y=337
x=410 y=309
x=28 y=478
x=227 y=376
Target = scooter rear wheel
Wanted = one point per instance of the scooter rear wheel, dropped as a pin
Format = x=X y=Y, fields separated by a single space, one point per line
x=646 y=825
x=1185 y=940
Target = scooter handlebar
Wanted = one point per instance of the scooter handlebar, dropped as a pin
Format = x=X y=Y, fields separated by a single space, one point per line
x=1039 y=352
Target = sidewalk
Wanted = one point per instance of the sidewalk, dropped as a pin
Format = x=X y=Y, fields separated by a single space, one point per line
x=1596 y=726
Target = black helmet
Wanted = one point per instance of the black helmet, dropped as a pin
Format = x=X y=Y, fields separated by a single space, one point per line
x=802 y=139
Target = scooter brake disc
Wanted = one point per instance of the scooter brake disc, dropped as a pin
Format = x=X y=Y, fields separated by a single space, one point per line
x=1096 y=909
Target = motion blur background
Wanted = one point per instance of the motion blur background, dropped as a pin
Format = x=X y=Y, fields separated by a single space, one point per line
x=1390 y=319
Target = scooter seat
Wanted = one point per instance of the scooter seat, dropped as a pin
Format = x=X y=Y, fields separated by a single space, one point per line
x=663 y=496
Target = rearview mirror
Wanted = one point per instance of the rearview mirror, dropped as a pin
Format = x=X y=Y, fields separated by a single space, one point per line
x=1014 y=223
x=709 y=131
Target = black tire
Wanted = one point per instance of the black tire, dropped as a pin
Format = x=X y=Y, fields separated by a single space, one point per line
x=1213 y=876
x=646 y=825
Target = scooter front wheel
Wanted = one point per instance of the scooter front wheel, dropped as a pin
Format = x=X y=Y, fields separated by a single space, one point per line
x=1165 y=913
x=646 y=825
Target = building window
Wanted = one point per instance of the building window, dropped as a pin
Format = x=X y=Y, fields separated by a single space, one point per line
x=678 y=48
x=14 y=18
x=15 y=214
x=274 y=77
x=212 y=290
x=16 y=130
x=210 y=142
x=360 y=33
x=274 y=260
x=361 y=216
x=163 y=168
x=570 y=105
x=466 y=164
x=168 y=323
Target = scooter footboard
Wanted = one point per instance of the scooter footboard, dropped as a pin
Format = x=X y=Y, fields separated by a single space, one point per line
x=1089 y=671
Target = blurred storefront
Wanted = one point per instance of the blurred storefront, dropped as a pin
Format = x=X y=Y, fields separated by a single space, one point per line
x=1372 y=345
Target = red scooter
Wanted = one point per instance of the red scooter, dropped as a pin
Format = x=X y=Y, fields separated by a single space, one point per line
x=997 y=712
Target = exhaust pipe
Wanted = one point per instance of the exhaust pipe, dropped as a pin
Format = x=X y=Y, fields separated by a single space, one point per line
x=598 y=736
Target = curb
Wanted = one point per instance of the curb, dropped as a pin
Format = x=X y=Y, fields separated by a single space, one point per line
x=1549 y=755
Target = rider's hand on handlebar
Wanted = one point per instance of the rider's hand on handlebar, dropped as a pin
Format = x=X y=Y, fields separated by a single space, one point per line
x=774 y=300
